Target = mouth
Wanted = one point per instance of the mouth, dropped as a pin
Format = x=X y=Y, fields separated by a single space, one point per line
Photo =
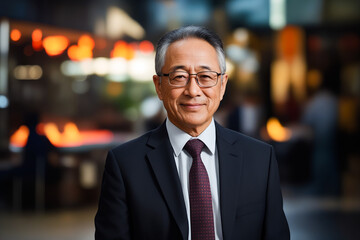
x=192 y=106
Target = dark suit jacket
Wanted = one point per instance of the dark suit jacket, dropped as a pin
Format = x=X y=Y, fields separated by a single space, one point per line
x=142 y=198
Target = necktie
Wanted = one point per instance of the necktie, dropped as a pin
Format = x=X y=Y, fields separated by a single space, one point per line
x=201 y=213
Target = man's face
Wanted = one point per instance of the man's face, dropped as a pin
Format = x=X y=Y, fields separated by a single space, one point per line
x=190 y=108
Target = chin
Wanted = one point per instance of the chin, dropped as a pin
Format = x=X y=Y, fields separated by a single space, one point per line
x=195 y=122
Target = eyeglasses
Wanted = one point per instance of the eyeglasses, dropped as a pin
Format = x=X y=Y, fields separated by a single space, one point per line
x=204 y=79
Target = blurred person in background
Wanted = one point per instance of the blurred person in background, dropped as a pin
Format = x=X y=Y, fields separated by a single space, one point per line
x=35 y=166
x=191 y=178
x=34 y=169
x=246 y=117
x=321 y=115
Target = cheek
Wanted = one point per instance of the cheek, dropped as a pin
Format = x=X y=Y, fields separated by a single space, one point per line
x=214 y=96
x=170 y=98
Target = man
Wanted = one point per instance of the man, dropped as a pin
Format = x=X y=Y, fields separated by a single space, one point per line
x=151 y=188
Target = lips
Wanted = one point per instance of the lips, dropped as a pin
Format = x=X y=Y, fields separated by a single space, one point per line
x=192 y=106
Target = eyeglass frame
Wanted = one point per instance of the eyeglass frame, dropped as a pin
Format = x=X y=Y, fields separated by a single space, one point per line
x=196 y=78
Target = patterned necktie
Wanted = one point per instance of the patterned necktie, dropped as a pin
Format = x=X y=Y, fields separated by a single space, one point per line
x=201 y=213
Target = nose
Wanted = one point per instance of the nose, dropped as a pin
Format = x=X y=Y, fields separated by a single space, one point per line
x=192 y=88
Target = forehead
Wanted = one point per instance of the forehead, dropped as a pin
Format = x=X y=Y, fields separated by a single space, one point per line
x=191 y=52
x=190 y=43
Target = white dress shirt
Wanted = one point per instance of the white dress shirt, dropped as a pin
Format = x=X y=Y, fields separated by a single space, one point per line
x=209 y=156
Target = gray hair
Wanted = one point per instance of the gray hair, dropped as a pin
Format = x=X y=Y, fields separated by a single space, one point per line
x=184 y=33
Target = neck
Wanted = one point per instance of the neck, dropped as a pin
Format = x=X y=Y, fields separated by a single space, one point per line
x=193 y=131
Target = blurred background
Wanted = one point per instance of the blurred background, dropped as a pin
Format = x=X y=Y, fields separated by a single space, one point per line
x=76 y=80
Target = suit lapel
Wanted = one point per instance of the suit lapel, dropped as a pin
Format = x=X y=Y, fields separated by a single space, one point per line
x=163 y=165
x=230 y=167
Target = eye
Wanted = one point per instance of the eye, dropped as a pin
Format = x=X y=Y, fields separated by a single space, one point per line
x=205 y=76
x=179 y=76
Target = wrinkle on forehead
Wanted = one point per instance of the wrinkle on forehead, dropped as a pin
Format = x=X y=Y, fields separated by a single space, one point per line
x=191 y=57
x=186 y=68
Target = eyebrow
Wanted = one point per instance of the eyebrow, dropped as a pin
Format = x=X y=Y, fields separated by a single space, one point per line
x=182 y=67
x=205 y=67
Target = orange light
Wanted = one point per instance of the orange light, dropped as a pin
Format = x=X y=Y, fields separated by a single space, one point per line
x=71 y=134
x=52 y=133
x=77 y=53
x=86 y=41
x=96 y=137
x=20 y=136
x=276 y=131
x=130 y=53
x=84 y=52
x=71 y=137
x=36 y=35
x=72 y=53
x=37 y=45
x=55 y=45
x=146 y=46
x=124 y=50
x=83 y=49
x=120 y=49
x=15 y=35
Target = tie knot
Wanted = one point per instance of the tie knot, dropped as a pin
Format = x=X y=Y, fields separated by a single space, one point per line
x=194 y=147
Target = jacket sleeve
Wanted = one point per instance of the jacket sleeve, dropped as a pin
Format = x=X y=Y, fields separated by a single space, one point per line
x=275 y=225
x=112 y=218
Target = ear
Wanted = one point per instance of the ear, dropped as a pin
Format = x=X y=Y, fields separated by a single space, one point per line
x=157 y=84
x=223 y=85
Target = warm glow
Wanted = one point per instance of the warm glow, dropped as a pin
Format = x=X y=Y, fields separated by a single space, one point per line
x=19 y=138
x=86 y=41
x=71 y=134
x=123 y=50
x=276 y=131
x=28 y=72
x=83 y=50
x=15 y=35
x=288 y=70
x=78 y=53
x=70 y=137
x=96 y=137
x=37 y=45
x=146 y=46
x=36 y=37
x=72 y=53
x=52 y=133
x=55 y=45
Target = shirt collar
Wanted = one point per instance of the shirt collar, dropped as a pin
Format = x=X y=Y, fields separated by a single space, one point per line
x=178 y=138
